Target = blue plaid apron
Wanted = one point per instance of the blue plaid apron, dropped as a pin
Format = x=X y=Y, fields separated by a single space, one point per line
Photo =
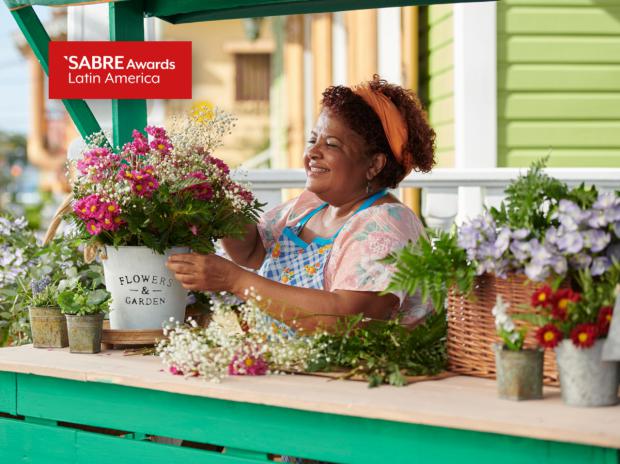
x=294 y=262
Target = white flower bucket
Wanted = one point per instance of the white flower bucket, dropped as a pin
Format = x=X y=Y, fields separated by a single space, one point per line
x=145 y=293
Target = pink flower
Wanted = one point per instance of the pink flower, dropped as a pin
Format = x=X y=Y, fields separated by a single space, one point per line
x=193 y=229
x=221 y=165
x=248 y=364
x=93 y=227
x=156 y=132
x=139 y=145
x=202 y=191
x=163 y=146
x=175 y=371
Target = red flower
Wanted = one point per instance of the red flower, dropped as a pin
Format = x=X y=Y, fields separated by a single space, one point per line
x=560 y=302
x=584 y=335
x=604 y=319
x=548 y=336
x=542 y=297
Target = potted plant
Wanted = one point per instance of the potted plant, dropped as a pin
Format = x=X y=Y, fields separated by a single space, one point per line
x=84 y=307
x=576 y=325
x=48 y=324
x=154 y=197
x=519 y=370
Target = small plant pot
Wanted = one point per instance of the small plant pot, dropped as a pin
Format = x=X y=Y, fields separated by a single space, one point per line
x=85 y=333
x=585 y=379
x=519 y=373
x=49 y=328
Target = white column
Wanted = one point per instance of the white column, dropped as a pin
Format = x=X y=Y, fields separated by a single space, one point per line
x=339 y=49
x=475 y=95
x=309 y=97
x=389 y=44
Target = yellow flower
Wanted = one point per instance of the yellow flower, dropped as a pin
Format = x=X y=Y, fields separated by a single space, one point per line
x=202 y=111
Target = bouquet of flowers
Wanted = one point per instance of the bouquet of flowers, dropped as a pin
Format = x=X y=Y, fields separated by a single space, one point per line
x=163 y=190
x=240 y=340
x=544 y=230
x=583 y=316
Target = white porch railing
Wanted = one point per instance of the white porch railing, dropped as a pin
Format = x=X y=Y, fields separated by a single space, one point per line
x=448 y=195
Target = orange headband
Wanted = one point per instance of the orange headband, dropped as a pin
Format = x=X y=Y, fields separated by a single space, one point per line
x=392 y=121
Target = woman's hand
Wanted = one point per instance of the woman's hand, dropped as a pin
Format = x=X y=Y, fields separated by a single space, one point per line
x=204 y=272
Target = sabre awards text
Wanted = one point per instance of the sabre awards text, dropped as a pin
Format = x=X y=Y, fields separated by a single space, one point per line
x=114 y=63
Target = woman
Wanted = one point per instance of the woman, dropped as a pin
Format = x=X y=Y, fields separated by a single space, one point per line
x=317 y=256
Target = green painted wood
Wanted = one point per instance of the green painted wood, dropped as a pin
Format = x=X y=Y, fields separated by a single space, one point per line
x=39 y=40
x=563 y=134
x=439 y=69
x=561 y=78
x=560 y=106
x=22 y=442
x=550 y=19
x=127 y=24
x=40 y=444
x=265 y=429
x=558 y=82
x=8 y=393
x=577 y=157
x=258 y=457
x=183 y=11
x=562 y=49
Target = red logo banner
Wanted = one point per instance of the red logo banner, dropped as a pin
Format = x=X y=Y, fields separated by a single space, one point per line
x=120 y=70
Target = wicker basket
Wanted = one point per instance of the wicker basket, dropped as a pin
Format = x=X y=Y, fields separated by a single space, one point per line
x=471 y=326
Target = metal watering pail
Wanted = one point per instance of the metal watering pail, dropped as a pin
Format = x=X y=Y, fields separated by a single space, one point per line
x=145 y=293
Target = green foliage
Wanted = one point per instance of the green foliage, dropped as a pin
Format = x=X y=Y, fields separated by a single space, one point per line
x=530 y=200
x=83 y=300
x=513 y=340
x=595 y=294
x=383 y=351
x=432 y=266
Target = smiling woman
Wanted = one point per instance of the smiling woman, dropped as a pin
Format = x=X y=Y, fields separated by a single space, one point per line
x=318 y=257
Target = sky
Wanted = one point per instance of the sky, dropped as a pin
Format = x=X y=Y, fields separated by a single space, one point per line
x=14 y=78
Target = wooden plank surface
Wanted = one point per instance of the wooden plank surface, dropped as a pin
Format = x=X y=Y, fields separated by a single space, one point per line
x=458 y=402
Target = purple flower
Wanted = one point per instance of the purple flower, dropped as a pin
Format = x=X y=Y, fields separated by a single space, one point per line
x=536 y=270
x=502 y=242
x=520 y=234
x=580 y=261
x=39 y=286
x=617 y=229
x=597 y=219
x=559 y=264
x=600 y=265
x=596 y=240
x=570 y=242
x=552 y=235
x=606 y=200
x=521 y=250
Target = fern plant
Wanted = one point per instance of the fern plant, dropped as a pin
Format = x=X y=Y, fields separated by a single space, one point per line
x=432 y=266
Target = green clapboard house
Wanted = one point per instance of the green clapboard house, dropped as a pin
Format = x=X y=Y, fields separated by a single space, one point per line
x=542 y=78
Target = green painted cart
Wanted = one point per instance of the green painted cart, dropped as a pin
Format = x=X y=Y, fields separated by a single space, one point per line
x=57 y=407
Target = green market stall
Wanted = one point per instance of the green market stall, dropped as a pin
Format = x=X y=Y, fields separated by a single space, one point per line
x=61 y=408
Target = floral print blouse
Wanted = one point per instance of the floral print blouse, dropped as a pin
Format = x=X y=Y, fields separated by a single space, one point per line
x=366 y=238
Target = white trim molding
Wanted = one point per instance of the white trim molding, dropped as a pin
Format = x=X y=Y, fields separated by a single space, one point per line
x=389 y=45
x=475 y=96
x=339 y=49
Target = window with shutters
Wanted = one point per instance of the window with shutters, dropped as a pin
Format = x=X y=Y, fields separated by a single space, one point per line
x=252 y=77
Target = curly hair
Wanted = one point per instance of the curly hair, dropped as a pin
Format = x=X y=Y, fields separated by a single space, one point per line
x=361 y=118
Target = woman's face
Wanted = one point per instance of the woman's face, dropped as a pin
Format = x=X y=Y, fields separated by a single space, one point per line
x=336 y=166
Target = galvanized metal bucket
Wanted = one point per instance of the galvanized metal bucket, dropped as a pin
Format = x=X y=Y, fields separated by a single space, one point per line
x=585 y=379
x=145 y=294
x=49 y=328
x=519 y=373
x=85 y=333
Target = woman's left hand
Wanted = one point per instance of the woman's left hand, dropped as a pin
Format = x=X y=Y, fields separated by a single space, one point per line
x=198 y=272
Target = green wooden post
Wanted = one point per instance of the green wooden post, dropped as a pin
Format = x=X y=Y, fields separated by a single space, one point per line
x=39 y=40
x=127 y=24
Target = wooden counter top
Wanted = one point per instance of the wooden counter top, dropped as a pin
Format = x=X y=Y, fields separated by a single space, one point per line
x=458 y=402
